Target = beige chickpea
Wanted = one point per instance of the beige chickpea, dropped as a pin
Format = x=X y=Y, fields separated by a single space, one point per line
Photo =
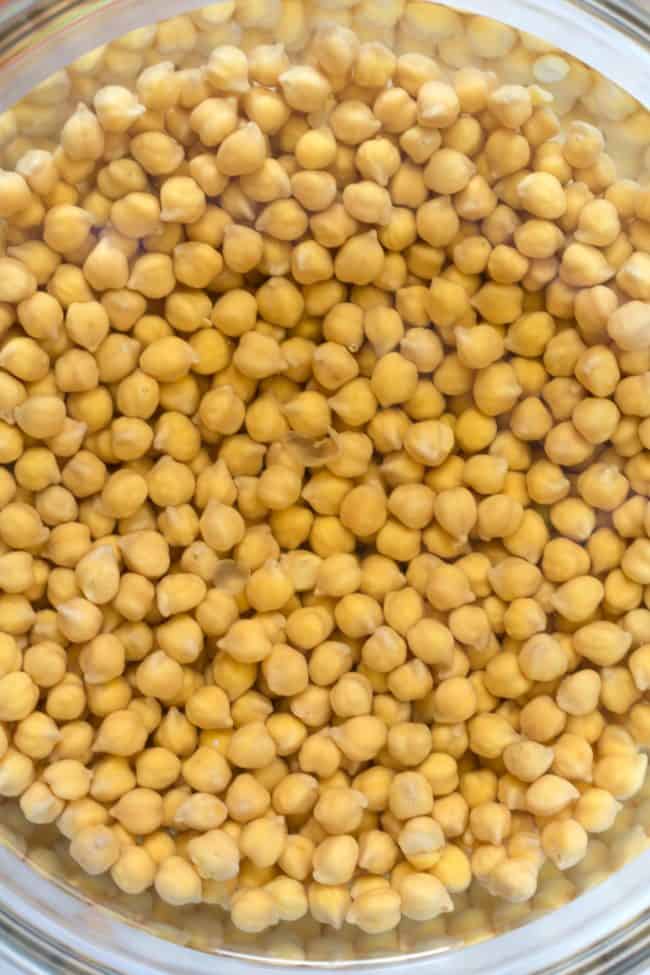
x=578 y=693
x=360 y=259
x=134 y=871
x=584 y=266
x=66 y=227
x=156 y=152
x=95 y=848
x=596 y=810
x=39 y=804
x=322 y=578
x=627 y=325
x=583 y=145
x=549 y=795
x=304 y=88
x=410 y=794
x=573 y=758
x=121 y=733
x=621 y=776
x=578 y=598
x=438 y=105
x=177 y=883
x=367 y=202
x=335 y=860
x=44 y=663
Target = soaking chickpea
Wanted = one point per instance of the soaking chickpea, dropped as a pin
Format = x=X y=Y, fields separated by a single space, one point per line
x=323 y=579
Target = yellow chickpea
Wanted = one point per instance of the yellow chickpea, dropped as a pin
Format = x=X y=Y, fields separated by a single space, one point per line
x=324 y=580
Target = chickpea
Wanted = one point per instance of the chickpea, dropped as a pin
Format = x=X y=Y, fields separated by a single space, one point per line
x=325 y=579
x=549 y=795
x=121 y=733
x=95 y=848
x=573 y=757
x=596 y=810
x=134 y=871
x=621 y=776
x=304 y=88
x=360 y=259
x=583 y=146
x=335 y=860
x=39 y=805
x=410 y=794
x=177 y=883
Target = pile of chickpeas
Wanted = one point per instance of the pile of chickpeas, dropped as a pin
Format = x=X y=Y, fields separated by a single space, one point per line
x=324 y=432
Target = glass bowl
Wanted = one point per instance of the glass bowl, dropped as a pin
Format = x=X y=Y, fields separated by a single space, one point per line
x=51 y=920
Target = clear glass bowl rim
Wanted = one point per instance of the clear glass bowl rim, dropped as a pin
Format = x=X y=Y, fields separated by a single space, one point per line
x=44 y=930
